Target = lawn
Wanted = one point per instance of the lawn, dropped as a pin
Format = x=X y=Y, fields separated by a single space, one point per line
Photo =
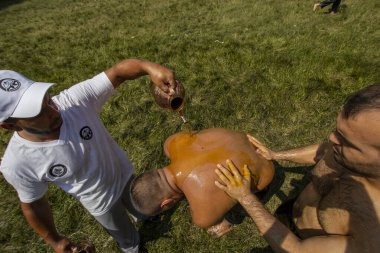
x=273 y=69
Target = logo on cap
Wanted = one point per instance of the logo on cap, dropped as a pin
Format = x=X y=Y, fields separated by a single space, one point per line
x=57 y=170
x=9 y=84
x=86 y=133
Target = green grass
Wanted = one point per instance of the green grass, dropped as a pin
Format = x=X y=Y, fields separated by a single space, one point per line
x=270 y=68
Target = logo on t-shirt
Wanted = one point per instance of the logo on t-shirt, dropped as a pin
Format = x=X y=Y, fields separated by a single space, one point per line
x=9 y=84
x=58 y=170
x=86 y=133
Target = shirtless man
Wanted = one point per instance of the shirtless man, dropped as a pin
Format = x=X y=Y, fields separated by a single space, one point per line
x=339 y=210
x=191 y=174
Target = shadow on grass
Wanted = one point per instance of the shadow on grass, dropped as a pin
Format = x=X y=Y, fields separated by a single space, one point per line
x=152 y=230
x=279 y=178
x=262 y=250
x=6 y=3
x=274 y=189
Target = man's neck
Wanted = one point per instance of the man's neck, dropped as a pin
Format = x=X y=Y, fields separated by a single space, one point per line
x=39 y=137
x=169 y=178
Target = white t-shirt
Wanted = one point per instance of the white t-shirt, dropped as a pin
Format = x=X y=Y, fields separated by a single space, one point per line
x=85 y=161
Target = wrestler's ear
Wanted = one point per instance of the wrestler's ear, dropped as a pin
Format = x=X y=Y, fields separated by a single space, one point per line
x=168 y=203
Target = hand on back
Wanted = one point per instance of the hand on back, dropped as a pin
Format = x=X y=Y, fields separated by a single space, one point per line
x=232 y=182
x=261 y=148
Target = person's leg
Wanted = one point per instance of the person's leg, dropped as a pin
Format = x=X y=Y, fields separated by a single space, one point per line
x=117 y=223
x=335 y=6
x=322 y=4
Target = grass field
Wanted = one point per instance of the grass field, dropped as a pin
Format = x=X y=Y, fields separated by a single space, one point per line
x=270 y=68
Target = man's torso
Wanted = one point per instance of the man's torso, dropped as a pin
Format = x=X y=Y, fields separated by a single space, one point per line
x=84 y=161
x=339 y=203
x=193 y=162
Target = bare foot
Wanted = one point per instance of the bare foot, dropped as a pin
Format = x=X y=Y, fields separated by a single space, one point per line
x=220 y=229
x=316 y=6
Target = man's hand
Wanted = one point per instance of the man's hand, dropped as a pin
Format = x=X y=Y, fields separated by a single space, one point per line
x=63 y=245
x=84 y=247
x=161 y=77
x=234 y=184
x=309 y=154
x=261 y=148
x=40 y=218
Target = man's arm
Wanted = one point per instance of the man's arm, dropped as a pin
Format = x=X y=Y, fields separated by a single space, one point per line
x=131 y=69
x=40 y=218
x=279 y=237
x=309 y=154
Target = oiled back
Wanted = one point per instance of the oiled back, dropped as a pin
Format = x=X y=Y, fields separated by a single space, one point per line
x=193 y=160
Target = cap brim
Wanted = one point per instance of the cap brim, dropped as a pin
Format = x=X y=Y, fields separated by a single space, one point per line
x=31 y=101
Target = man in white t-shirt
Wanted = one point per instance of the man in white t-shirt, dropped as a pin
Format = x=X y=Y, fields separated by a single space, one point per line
x=63 y=141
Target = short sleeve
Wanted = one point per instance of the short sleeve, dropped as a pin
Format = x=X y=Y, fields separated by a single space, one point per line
x=28 y=191
x=91 y=93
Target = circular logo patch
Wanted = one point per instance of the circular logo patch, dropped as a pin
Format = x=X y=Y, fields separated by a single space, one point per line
x=58 y=170
x=86 y=133
x=9 y=84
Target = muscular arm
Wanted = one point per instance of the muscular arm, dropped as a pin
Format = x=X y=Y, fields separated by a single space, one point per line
x=279 y=237
x=40 y=218
x=309 y=154
x=131 y=69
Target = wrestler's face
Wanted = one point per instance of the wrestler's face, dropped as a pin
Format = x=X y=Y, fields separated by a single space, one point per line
x=46 y=122
x=356 y=142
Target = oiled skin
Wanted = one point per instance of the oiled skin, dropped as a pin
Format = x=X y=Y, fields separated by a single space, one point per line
x=193 y=161
x=338 y=202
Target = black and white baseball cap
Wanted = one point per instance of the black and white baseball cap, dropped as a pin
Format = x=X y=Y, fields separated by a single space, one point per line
x=19 y=96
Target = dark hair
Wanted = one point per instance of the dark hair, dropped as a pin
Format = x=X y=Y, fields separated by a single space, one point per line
x=367 y=98
x=147 y=193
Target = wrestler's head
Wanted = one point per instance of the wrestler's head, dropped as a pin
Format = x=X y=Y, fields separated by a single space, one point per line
x=151 y=193
x=366 y=99
x=356 y=139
